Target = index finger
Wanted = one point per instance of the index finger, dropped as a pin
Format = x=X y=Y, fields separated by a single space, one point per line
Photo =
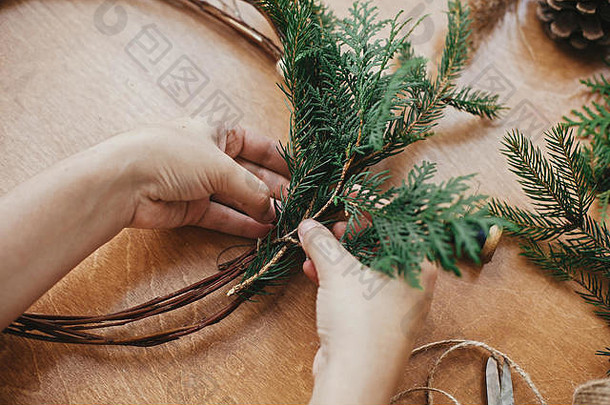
x=234 y=182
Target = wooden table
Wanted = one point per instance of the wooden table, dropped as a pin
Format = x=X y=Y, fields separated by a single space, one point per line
x=74 y=73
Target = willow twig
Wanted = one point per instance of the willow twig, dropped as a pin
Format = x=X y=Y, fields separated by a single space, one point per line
x=241 y=27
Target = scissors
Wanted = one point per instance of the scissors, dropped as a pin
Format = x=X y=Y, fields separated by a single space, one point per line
x=499 y=388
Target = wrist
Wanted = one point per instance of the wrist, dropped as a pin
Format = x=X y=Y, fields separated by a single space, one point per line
x=366 y=384
x=385 y=340
x=66 y=212
x=111 y=167
x=364 y=373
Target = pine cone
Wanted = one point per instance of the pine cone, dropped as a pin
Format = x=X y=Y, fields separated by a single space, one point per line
x=581 y=23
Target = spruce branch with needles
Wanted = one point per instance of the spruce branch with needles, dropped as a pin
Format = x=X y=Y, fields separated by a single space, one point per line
x=563 y=235
x=560 y=235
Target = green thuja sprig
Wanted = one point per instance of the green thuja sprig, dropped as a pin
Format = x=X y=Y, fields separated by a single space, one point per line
x=355 y=100
x=352 y=106
x=594 y=119
x=593 y=122
x=416 y=221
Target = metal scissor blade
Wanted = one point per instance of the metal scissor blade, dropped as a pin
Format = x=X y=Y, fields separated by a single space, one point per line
x=493 y=382
x=506 y=391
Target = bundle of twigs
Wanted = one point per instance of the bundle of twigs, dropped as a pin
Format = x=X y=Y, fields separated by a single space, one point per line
x=76 y=329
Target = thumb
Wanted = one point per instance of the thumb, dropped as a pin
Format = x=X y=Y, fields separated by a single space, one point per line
x=324 y=250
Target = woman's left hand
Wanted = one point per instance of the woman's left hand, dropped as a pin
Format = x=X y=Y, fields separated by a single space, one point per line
x=188 y=173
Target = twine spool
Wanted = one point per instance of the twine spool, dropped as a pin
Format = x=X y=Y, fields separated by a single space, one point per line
x=595 y=392
x=465 y=344
x=491 y=244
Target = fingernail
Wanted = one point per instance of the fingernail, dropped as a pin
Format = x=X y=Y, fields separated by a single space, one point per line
x=270 y=215
x=306 y=226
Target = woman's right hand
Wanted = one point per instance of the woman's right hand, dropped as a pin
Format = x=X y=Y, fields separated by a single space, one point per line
x=367 y=322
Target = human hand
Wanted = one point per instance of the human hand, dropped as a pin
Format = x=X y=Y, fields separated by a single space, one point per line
x=164 y=176
x=188 y=173
x=365 y=339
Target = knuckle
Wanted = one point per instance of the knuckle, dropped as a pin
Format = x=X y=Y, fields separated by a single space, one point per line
x=234 y=139
x=219 y=179
x=253 y=183
x=262 y=198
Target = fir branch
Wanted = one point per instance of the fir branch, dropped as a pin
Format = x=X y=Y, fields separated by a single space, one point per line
x=419 y=220
x=426 y=99
x=595 y=290
x=538 y=177
x=351 y=113
x=604 y=201
x=528 y=224
x=571 y=168
x=455 y=52
x=560 y=236
x=592 y=120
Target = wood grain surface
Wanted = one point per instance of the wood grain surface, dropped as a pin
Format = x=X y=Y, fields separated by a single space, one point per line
x=74 y=73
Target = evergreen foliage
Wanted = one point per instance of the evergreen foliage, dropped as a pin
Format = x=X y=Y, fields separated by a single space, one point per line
x=351 y=107
x=561 y=234
x=593 y=122
x=349 y=112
